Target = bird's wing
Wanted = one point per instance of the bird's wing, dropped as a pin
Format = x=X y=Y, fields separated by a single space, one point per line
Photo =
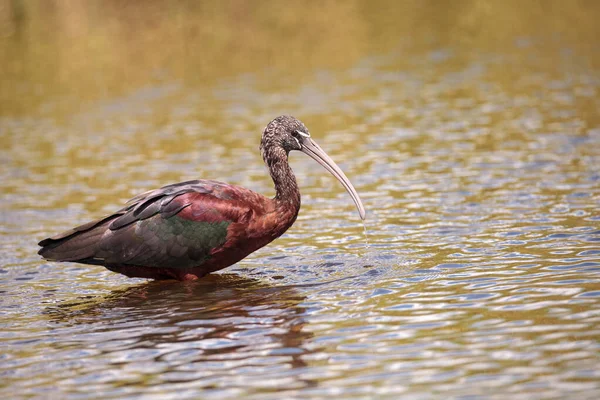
x=176 y=226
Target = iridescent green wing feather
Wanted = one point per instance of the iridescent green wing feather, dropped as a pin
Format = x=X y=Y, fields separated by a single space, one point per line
x=177 y=226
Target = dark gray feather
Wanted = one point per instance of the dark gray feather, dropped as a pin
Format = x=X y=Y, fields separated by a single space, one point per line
x=83 y=243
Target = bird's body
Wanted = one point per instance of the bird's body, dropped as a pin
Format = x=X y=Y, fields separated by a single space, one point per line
x=187 y=230
x=181 y=231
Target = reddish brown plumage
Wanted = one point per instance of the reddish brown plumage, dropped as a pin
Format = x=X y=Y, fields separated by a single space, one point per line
x=257 y=221
x=187 y=230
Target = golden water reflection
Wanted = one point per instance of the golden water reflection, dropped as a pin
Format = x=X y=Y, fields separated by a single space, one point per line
x=470 y=129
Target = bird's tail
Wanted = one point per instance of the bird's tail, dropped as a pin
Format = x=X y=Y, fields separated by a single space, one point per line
x=79 y=244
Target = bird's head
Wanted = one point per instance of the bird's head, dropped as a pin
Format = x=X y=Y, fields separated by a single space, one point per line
x=286 y=133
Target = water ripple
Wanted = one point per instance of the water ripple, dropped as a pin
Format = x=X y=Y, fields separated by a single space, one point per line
x=475 y=276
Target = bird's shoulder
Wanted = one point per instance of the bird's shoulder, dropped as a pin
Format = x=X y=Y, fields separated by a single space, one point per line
x=199 y=200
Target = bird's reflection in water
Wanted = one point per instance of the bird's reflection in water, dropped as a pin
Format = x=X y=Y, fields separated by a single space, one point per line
x=190 y=332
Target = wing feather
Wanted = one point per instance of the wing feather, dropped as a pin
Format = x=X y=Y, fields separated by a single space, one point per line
x=178 y=225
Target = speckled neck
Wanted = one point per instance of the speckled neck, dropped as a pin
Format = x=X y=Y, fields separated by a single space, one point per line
x=287 y=193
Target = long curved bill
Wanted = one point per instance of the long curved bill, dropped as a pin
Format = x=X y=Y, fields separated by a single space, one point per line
x=313 y=150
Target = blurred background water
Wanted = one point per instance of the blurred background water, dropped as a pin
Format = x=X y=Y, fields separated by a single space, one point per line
x=470 y=128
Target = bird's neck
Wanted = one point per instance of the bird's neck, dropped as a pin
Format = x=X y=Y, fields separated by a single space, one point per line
x=287 y=193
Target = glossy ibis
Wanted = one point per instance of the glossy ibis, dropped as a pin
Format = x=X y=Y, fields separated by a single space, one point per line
x=187 y=230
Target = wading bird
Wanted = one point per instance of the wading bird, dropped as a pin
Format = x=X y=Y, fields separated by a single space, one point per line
x=189 y=229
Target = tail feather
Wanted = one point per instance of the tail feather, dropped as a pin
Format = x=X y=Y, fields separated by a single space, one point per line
x=79 y=244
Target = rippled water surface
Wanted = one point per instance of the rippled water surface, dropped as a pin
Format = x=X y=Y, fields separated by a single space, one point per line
x=471 y=130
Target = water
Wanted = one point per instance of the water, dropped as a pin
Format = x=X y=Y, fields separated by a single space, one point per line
x=474 y=147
